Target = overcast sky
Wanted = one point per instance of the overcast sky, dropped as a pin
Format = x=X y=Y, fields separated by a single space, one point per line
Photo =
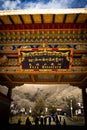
x=41 y=4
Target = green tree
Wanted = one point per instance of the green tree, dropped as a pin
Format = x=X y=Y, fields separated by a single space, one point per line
x=52 y=110
x=39 y=107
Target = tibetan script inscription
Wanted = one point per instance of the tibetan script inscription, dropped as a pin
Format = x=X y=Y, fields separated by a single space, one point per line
x=43 y=59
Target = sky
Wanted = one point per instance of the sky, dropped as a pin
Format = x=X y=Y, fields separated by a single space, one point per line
x=41 y=4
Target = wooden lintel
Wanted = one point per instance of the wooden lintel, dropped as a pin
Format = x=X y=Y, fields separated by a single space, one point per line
x=44 y=72
x=44 y=26
x=3 y=59
x=47 y=82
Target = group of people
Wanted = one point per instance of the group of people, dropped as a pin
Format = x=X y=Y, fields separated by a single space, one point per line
x=47 y=120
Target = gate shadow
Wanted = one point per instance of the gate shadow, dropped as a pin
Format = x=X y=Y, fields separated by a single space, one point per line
x=39 y=127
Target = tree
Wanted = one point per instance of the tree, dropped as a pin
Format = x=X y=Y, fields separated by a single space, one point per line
x=39 y=107
x=52 y=110
x=71 y=106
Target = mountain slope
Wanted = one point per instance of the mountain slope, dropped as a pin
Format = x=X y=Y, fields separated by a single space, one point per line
x=27 y=95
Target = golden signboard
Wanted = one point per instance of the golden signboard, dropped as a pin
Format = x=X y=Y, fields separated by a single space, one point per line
x=45 y=59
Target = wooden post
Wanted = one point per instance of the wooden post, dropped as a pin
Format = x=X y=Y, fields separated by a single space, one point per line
x=9 y=93
x=84 y=96
x=5 y=102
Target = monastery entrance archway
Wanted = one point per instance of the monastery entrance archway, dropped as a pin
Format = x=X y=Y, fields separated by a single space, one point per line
x=45 y=47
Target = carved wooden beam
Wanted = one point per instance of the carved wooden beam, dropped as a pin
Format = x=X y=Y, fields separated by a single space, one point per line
x=7 y=77
x=3 y=59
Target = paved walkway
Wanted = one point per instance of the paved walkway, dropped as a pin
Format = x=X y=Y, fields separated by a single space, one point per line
x=69 y=121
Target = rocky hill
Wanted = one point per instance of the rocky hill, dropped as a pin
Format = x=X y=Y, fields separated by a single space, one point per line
x=27 y=95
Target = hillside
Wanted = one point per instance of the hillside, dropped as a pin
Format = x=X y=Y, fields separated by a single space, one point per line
x=27 y=95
